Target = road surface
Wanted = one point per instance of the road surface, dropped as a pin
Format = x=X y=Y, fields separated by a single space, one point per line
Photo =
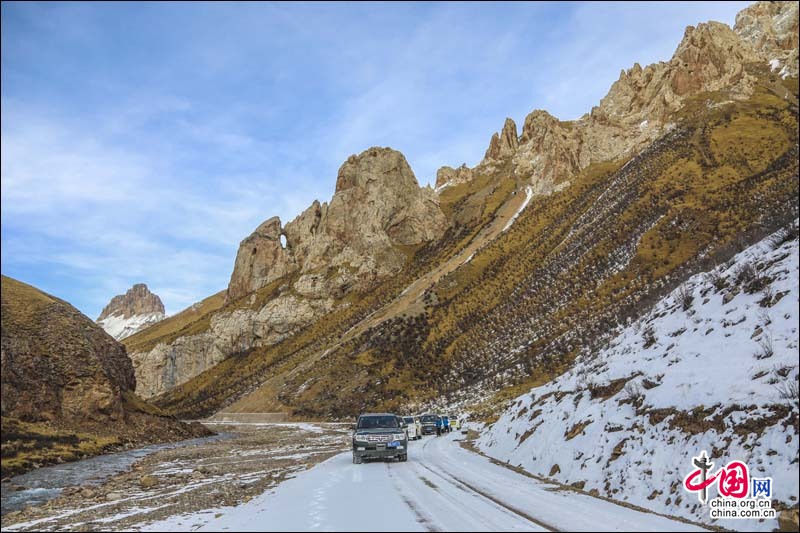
x=442 y=487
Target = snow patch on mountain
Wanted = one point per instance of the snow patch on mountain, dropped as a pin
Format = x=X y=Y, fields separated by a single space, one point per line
x=120 y=327
x=713 y=366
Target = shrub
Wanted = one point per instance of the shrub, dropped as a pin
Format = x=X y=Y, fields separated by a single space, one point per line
x=765 y=350
x=787 y=389
x=684 y=297
x=649 y=336
x=716 y=279
x=633 y=392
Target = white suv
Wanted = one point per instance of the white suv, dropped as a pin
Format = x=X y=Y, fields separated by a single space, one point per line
x=413 y=427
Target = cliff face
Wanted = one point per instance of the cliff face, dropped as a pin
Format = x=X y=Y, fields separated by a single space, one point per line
x=771 y=28
x=133 y=311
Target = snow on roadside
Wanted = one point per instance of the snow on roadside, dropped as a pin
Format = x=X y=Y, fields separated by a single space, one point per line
x=710 y=375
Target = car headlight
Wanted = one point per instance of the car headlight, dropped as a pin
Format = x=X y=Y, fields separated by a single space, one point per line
x=399 y=436
x=360 y=437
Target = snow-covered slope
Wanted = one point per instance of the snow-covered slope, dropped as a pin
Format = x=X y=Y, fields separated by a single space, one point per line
x=713 y=366
x=120 y=327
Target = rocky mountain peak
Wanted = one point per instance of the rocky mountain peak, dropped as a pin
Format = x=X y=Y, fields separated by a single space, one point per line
x=377 y=207
x=373 y=167
x=128 y=313
x=503 y=144
x=138 y=300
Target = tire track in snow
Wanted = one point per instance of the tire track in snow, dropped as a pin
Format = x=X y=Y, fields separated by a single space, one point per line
x=446 y=509
x=471 y=489
x=403 y=489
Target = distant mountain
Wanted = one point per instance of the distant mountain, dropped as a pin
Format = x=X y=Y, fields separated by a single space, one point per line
x=67 y=386
x=133 y=311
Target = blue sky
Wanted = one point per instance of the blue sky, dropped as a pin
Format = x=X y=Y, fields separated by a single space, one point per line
x=142 y=142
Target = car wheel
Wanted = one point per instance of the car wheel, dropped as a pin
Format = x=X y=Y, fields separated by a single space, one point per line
x=404 y=458
x=356 y=459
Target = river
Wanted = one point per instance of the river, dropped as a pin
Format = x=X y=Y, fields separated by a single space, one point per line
x=46 y=483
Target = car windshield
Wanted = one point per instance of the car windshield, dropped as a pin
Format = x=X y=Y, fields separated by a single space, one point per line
x=369 y=422
x=429 y=418
x=408 y=420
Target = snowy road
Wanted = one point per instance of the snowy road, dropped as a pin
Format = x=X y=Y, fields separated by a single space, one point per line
x=442 y=487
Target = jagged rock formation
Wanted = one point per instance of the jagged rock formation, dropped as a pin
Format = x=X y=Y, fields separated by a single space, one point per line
x=377 y=216
x=771 y=28
x=261 y=260
x=133 y=311
x=639 y=105
x=503 y=144
x=170 y=364
x=378 y=207
x=447 y=176
x=61 y=369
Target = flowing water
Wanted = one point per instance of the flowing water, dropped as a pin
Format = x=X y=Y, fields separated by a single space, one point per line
x=43 y=484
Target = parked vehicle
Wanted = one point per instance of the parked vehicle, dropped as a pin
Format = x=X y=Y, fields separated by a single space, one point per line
x=413 y=428
x=379 y=436
x=455 y=423
x=429 y=424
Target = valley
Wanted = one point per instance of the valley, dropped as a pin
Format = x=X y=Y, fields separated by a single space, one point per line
x=603 y=300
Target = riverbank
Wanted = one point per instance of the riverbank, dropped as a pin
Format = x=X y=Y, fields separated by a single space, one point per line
x=188 y=479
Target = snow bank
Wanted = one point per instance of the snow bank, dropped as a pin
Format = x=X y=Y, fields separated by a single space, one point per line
x=708 y=368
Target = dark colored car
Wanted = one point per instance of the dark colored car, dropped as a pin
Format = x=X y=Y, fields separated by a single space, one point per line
x=379 y=436
x=429 y=423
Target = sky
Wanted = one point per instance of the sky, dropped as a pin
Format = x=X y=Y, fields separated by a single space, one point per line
x=141 y=142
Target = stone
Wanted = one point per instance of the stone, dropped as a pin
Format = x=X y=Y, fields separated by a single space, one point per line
x=148 y=481
x=378 y=206
x=138 y=300
x=377 y=212
x=114 y=496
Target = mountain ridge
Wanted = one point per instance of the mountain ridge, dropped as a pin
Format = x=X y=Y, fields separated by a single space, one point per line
x=566 y=165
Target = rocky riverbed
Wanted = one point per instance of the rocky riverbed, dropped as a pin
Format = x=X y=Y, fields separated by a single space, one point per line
x=186 y=479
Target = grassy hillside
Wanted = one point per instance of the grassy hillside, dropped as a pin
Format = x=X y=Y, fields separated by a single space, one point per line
x=573 y=264
x=67 y=386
